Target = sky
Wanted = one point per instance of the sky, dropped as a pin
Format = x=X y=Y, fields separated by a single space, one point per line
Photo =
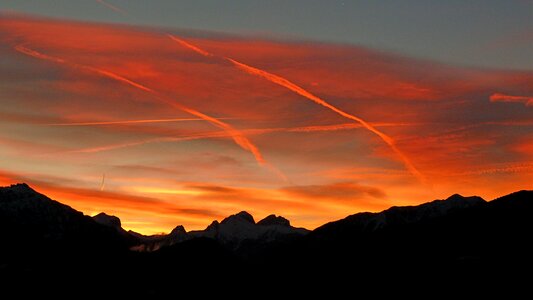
x=480 y=33
x=169 y=113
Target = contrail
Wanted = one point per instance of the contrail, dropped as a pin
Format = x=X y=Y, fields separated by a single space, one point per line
x=112 y=7
x=102 y=185
x=302 y=92
x=33 y=53
x=192 y=47
x=297 y=89
x=224 y=134
x=30 y=52
x=345 y=126
x=238 y=137
x=217 y=134
x=119 y=78
x=126 y=122
x=241 y=140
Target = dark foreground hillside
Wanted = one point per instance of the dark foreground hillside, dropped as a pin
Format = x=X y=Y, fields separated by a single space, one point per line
x=49 y=248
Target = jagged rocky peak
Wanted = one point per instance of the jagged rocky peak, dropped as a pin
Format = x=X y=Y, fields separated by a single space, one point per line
x=19 y=189
x=108 y=220
x=274 y=220
x=179 y=230
x=243 y=216
x=21 y=194
x=213 y=226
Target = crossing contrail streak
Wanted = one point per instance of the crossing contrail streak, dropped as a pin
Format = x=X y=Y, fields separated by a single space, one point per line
x=210 y=135
x=224 y=134
x=30 y=52
x=302 y=92
x=190 y=46
x=238 y=137
x=127 y=122
x=119 y=78
x=24 y=50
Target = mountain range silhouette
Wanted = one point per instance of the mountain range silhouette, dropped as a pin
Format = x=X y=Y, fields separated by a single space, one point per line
x=54 y=248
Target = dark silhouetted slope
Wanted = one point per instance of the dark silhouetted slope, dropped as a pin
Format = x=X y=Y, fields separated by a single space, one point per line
x=456 y=241
x=43 y=241
x=30 y=218
x=365 y=223
x=462 y=236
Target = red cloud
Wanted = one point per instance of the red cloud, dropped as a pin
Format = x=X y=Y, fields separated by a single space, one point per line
x=528 y=101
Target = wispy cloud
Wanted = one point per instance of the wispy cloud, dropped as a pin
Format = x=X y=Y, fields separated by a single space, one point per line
x=346 y=191
x=498 y=97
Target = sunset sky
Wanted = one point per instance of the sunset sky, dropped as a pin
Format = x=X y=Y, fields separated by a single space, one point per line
x=166 y=112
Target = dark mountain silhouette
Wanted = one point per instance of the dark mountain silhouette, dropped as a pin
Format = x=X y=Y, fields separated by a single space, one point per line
x=463 y=237
x=362 y=223
x=108 y=220
x=29 y=218
x=467 y=238
x=233 y=233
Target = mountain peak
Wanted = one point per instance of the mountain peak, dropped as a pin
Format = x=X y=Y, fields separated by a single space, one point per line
x=455 y=196
x=464 y=201
x=246 y=216
x=179 y=230
x=108 y=220
x=45 y=219
x=20 y=185
x=242 y=216
x=213 y=226
x=274 y=220
x=18 y=188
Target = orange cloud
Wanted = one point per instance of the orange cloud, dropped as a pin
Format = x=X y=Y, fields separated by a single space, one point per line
x=345 y=191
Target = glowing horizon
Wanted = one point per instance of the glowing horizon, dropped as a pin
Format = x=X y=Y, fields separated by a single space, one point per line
x=164 y=129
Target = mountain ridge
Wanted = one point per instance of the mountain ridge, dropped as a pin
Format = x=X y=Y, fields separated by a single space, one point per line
x=366 y=221
x=464 y=238
x=397 y=215
x=45 y=219
x=231 y=232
